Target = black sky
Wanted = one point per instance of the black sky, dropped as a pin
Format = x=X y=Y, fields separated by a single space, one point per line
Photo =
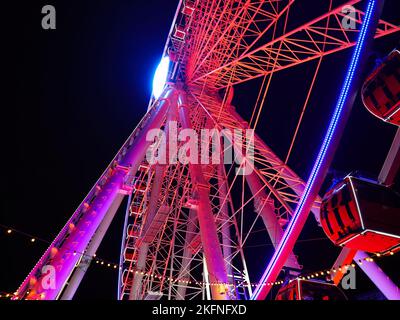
x=73 y=95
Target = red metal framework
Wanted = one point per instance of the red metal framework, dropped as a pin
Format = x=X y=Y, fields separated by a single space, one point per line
x=239 y=63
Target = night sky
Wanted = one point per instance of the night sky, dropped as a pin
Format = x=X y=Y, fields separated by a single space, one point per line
x=73 y=95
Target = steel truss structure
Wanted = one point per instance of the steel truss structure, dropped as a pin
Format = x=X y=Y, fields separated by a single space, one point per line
x=187 y=226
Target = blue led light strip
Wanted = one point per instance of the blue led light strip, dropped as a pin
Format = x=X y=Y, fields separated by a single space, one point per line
x=328 y=137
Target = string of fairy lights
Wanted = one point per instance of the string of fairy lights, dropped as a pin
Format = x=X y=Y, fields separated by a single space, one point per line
x=179 y=281
x=33 y=239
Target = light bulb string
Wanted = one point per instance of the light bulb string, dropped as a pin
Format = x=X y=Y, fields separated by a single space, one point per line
x=184 y=281
x=33 y=239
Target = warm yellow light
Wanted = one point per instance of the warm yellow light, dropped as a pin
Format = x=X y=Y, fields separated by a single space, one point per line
x=33 y=240
x=9 y=231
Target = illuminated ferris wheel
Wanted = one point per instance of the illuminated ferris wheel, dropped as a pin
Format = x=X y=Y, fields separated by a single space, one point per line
x=189 y=224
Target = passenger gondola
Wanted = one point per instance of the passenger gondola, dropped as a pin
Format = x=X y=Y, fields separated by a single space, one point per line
x=310 y=290
x=381 y=90
x=361 y=214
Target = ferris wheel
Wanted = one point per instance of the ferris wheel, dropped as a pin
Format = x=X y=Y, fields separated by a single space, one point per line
x=192 y=225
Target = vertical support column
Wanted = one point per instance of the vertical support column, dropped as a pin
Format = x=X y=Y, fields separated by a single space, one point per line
x=186 y=255
x=140 y=267
x=245 y=272
x=206 y=279
x=267 y=213
x=208 y=229
x=226 y=234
